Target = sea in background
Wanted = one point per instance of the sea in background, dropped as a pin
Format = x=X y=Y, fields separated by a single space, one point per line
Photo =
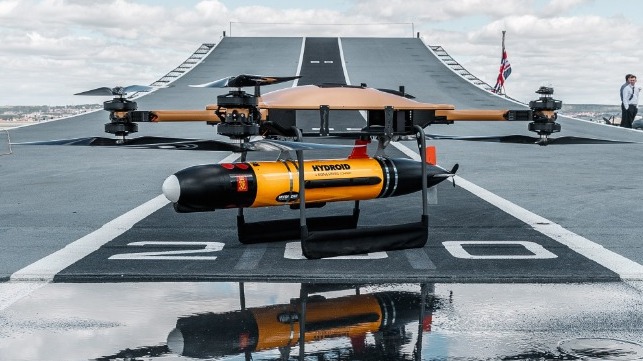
x=17 y=115
x=610 y=114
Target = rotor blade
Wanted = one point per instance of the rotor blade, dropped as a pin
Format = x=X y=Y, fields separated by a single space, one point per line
x=190 y=144
x=150 y=142
x=221 y=83
x=245 y=80
x=88 y=141
x=580 y=140
x=145 y=143
x=137 y=88
x=524 y=139
x=105 y=91
x=98 y=91
x=283 y=145
x=396 y=92
x=262 y=145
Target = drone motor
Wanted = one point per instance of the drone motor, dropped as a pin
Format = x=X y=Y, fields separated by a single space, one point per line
x=239 y=115
x=120 y=116
x=544 y=114
x=120 y=109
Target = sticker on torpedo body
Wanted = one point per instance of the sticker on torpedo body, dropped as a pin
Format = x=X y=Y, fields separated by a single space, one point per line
x=242 y=184
x=287 y=197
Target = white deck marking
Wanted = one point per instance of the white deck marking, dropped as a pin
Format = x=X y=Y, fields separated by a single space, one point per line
x=419 y=259
x=36 y=275
x=300 y=62
x=293 y=251
x=343 y=61
x=175 y=255
x=627 y=269
x=32 y=277
x=46 y=268
x=538 y=251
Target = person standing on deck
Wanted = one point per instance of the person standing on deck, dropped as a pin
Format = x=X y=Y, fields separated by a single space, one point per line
x=620 y=93
x=630 y=95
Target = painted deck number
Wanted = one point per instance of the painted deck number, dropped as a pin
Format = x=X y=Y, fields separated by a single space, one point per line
x=538 y=251
x=183 y=255
x=293 y=251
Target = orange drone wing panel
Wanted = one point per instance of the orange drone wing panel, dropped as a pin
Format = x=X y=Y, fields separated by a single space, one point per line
x=311 y=97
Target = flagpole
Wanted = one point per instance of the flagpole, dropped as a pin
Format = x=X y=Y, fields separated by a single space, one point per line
x=502 y=56
x=503 y=41
x=504 y=71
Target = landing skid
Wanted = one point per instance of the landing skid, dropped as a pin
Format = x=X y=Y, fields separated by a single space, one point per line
x=322 y=244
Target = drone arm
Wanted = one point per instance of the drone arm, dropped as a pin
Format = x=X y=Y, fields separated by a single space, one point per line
x=484 y=115
x=183 y=116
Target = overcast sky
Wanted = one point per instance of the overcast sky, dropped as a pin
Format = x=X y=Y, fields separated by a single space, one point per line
x=51 y=49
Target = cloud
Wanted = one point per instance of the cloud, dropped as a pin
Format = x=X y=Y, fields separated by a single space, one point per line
x=64 y=46
x=79 y=45
x=557 y=7
x=439 y=10
x=563 y=51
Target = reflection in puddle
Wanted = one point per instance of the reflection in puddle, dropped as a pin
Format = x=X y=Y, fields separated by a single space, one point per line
x=265 y=321
x=319 y=324
x=364 y=324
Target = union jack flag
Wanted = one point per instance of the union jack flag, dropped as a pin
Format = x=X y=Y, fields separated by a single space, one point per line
x=505 y=69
